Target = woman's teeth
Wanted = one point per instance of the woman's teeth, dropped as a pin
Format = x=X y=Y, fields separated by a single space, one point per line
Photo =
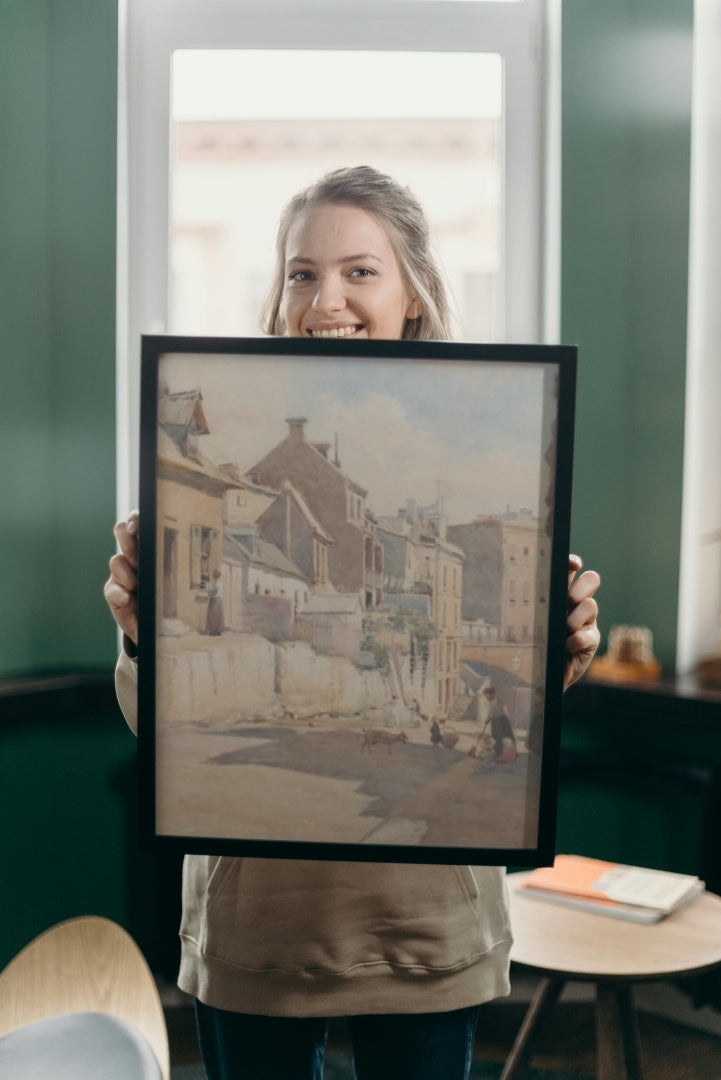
x=337 y=331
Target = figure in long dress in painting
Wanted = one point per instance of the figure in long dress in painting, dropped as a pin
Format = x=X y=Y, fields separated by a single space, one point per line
x=501 y=728
x=215 y=619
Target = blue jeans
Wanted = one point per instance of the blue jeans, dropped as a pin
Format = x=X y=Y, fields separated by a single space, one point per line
x=415 y=1046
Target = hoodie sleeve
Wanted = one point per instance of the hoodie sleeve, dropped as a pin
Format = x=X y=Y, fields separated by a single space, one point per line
x=126 y=688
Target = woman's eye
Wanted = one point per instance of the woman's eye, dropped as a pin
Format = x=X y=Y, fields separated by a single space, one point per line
x=300 y=276
x=362 y=272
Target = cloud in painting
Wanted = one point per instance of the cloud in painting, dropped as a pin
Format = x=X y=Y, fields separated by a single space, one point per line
x=396 y=458
x=475 y=443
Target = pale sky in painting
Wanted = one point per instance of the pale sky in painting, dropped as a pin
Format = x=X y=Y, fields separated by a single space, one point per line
x=406 y=429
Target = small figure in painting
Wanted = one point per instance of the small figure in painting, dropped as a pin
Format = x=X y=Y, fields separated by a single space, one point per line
x=415 y=713
x=508 y=753
x=484 y=751
x=436 y=736
x=501 y=728
x=215 y=618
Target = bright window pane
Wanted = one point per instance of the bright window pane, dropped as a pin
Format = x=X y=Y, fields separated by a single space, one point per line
x=462 y=1
x=252 y=127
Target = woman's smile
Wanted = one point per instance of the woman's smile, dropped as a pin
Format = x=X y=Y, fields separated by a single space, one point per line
x=335 y=331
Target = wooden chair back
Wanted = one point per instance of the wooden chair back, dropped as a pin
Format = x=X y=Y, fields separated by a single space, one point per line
x=87 y=964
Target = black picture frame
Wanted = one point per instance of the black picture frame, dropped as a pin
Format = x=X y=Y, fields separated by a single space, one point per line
x=320 y=622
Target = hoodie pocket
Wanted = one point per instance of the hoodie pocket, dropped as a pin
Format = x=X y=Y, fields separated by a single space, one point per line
x=295 y=916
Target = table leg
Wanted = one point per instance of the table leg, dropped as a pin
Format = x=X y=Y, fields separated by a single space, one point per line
x=617 y=1033
x=545 y=997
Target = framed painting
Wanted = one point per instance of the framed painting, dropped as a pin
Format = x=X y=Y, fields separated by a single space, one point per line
x=352 y=597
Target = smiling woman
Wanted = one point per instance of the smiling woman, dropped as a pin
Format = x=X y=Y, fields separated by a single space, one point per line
x=291 y=939
x=353 y=259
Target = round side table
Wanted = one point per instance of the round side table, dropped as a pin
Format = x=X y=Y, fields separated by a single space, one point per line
x=563 y=944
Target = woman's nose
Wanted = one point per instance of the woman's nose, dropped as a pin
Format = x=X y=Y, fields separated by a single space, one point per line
x=329 y=296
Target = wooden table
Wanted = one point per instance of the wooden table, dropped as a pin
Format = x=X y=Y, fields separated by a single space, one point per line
x=563 y=944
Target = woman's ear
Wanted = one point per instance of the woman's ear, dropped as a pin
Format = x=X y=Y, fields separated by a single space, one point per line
x=415 y=309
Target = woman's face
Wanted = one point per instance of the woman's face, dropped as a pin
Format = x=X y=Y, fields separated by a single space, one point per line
x=342 y=277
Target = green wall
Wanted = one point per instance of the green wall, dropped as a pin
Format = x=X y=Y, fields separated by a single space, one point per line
x=58 y=74
x=625 y=199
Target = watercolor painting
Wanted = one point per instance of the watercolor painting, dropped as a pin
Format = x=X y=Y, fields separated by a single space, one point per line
x=351 y=591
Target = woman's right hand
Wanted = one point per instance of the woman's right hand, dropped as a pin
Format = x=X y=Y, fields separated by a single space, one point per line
x=121 y=587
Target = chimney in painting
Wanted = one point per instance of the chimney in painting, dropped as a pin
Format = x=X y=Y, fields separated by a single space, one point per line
x=296 y=426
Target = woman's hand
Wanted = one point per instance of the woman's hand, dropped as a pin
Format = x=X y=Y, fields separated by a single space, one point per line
x=583 y=636
x=120 y=588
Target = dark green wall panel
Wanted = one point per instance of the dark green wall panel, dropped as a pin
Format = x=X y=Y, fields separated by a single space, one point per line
x=626 y=146
x=25 y=432
x=68 y=799
x=62 y=786
x=58 y=77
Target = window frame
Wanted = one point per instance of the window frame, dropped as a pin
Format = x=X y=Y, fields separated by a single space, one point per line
x=698 y=631
x=198 y=534
x=526 y=34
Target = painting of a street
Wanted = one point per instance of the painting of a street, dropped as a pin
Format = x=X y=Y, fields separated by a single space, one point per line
x=323 y=783
x=352 y=586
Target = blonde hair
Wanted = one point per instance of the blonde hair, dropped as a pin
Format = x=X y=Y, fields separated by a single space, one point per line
x=403 y=217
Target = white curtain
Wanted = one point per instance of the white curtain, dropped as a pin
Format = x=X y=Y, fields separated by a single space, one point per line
x=700 y=583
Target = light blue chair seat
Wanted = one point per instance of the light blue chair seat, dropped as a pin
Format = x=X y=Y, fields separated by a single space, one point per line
x=78 y=1046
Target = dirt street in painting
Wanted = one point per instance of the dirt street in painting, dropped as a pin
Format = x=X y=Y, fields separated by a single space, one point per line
x=318 y=783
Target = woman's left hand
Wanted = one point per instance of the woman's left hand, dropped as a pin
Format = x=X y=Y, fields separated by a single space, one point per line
x=583 y=636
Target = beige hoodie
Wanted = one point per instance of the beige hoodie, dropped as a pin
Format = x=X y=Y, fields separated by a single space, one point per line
x=285 y=937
